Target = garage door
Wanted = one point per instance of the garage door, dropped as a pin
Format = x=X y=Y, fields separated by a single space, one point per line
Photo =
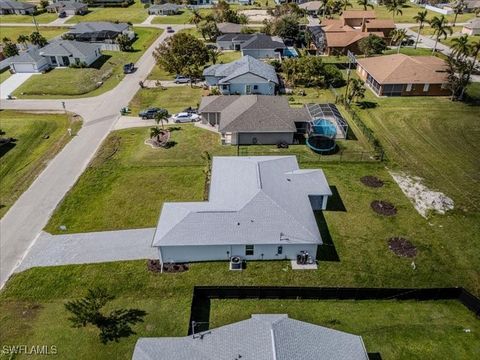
x=24 y=68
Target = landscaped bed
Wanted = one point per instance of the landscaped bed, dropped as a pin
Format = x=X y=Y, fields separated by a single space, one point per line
x=61 y=83
x=37 y=139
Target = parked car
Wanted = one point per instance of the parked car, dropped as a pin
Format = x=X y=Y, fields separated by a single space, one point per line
x=170 y=29
x=180 y=79
x=128 y=68
x=148 y=113
x=184 y=117
x=62 y=14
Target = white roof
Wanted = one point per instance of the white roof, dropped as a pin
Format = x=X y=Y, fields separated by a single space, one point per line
x=252 y=200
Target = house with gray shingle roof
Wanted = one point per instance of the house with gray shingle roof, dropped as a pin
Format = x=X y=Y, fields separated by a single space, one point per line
x=68 y=7
x=101 y=31
x=55 y=54
x=243 y=77
x=262 y=337
x=258 y=208
x=9 y=7
x=253 y=119
x=259 y=46
x=164 y=9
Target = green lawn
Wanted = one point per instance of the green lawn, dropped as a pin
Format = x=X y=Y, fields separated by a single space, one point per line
x=61 y=83
x=182 y=18
x=4 y=75
x=395 y=329
x=12 y=32
x=134 y=14
x=428 y=31
x=21 y=162
x=25 y=19
x=413 y=52
x=159 y=73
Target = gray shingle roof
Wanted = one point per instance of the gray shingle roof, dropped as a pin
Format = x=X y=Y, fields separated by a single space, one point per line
x=31 y=55
x=252 y=200
x=68 y=48
x=17 y=5
x=473 y=24
x=245 y=65
x=229 y=28
x=67 y=5
x=235 y=37
x=262 y=337
x=254 y=113
x=263 y=42
x=91 y=27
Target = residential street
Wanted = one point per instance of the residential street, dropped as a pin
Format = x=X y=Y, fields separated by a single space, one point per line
x=27 y=217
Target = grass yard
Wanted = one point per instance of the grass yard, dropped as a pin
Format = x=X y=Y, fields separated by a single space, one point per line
x=61 y=83
x=23 y=160
x=134 y=14
x=387 y=327
x=158 y=73
x=413 y=52
x=428 y=31
x=174 y=99
x=182 y=18
x=26 y=19
x=4 y=75
x=12 y=32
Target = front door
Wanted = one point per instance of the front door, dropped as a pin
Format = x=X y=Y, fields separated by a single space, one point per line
x=66 y=61
x=248 y=89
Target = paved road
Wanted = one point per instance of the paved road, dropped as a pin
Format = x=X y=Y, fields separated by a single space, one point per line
x=95 y=247
x=27 y=217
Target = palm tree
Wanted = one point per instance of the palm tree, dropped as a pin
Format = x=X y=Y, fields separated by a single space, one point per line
x=23 y=39
x=214 y=54
x=161 y=116
x=460 y=46
x=37 y=39
x=441 y=28
x=365 y=4
x=345 y=4
x=356 y=90
x=195 y=18
x=323 y=7
x=395 y=7
x=420 y=19
x=398 y=35
x=155 y=132
x=458 y=9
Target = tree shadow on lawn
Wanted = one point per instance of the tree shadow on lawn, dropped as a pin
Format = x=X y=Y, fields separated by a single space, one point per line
x=366 y=104
x=5 y=148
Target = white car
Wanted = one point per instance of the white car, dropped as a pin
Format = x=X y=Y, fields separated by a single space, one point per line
x=184 y=117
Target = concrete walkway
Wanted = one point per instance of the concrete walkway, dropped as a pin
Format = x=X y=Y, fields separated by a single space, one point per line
x=148 y=20
x=60 y=21
x=14 y=81
x=127 y=122
x=96 y=247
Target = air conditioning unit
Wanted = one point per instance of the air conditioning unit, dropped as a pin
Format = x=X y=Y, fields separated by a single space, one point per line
x=236 y=263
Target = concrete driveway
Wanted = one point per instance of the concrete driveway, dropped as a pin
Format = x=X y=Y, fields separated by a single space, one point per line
x=12 y=83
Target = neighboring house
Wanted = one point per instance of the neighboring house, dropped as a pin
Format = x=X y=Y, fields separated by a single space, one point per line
x=101 y=31
x=9 y=7
x=338 y=36
x=262 y=337
x=68 y=7
x=243 y=77
x=472 y=5
x=403 y=75
x=258 y=208
x=259 y=46
x=229 y=28
x=472 y=27
x=264 y=120
x=164 y=9
x=54 y=54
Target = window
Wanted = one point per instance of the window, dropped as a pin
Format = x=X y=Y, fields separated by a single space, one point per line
x=225 y=87
x=426 y=87
x=77 y=61
x=409 y=87
x=53 y=59
x=255 y=87
x=249 y=250
x=280 y=250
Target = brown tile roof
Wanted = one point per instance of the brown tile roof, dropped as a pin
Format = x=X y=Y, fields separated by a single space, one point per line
x=347 y=38
x=404 y=69
x=380 y=24
x=359 y=14
x=331 y=25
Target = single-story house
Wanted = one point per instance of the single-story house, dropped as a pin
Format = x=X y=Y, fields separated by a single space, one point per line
x=54 y=54
x=68 y=7
x=243 y=77
x=384 y=26
x=164 y=9
x=101 y=31
x=259 y=46
x=229 y=28
x=341 y=42
x=472 y=27
x=262 y=337
x=356 y=18
x=9 y=7
x=258 y=208
x=403 y=75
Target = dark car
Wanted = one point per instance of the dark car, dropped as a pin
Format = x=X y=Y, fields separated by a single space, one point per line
x=148 y=113
x=170 y=29
x=128 y=68
x=62 y=14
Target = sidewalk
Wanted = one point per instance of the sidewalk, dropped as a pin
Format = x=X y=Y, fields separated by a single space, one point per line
x=13 y=82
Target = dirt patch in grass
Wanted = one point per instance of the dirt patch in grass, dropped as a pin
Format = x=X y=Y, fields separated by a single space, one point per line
x=372 y=181
x=402 y=247
x=383 y=208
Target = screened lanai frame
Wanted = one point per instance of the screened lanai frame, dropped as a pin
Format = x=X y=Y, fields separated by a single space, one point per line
x=329 y=112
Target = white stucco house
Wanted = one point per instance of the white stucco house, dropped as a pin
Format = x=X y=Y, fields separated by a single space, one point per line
x=55 y=54
x=259 y=208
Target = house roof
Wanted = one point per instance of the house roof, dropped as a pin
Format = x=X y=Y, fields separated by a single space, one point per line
x=246 y=65
x=91 y=27
x=335 y=25
x=404 y=69
x=229 y=28
x=252 y=200
x=358 y=14
x=29 y=56
x=263 y=42
x=343 y=39
x=254 y=113
x=262 y=337
x=67 y=5
x=311 y=5
x=68 y=48
x=166 y=7
x=473 y=24
x=16 y=5
x=380 y=24
x=234 y=37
